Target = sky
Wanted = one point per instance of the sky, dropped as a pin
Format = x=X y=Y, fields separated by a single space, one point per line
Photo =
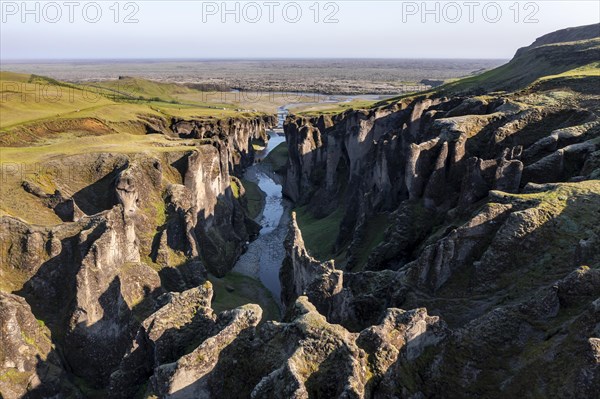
x=155 y=29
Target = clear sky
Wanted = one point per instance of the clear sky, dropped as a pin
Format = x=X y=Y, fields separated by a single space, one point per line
x=281 y=29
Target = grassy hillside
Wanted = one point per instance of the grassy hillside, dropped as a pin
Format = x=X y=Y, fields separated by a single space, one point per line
x=30 y=99
x=569 y=57
x=332 y=108
x=578 y=58
x=46 y=122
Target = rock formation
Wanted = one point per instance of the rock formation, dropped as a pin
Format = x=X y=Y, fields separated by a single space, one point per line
x=91 y=279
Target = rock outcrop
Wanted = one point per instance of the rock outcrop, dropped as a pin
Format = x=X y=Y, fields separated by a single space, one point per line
x=28 y=361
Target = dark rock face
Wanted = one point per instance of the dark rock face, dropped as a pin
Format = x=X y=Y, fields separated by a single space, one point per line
x=27 y=359
x=109 y=280
x=186 y=318
x=445 y=154
x=237 y=133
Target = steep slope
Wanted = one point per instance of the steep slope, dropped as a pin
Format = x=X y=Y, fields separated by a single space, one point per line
x=100 y=217
x=572 y=49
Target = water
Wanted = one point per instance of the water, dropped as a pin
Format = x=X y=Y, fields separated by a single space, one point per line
x=282 y=113
x=264 y=256
x=264 y=177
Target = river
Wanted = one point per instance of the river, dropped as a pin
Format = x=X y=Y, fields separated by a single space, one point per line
x=264 y=256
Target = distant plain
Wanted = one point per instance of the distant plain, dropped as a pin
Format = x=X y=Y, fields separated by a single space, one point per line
x=334 y=76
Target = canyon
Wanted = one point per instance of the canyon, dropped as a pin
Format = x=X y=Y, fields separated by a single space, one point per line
x=437 y=244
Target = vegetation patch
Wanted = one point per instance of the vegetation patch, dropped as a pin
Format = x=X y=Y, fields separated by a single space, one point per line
x=255 y=198
x=335 y=108
x=235 y=188
x=319 y=235
x=278 y=158
x=374 y=233
x=235 y=290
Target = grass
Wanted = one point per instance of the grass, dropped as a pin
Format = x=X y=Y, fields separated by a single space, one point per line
x=235 y=188
x=255 y=101
x=142 y=88
x=29 y=98
x=39 y=126
x=277 y=158
x=592 y=69
x=532 y=65
x=333 y=108
x=24 y=102
x=319 y=234
x=50 y=167
x=244 y=290
x=114 y=143
x=13 y=376
x=255 y=198
x=373 y=236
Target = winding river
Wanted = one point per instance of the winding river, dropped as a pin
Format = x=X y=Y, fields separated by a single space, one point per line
x=264 y=256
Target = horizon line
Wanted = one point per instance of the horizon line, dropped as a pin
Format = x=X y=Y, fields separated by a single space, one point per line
x=160 y=59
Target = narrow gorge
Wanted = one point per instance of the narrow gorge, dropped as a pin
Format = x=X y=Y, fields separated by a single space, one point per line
x=438 y=244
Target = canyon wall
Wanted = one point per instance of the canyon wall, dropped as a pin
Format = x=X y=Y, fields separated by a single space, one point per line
x=490 y=206
x=135 y=226
x=445 y=155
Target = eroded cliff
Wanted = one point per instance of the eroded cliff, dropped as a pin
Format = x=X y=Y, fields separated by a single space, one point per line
x=132 y=226
x=489 y=206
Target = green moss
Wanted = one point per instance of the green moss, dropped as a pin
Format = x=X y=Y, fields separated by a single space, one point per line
x=235 y=290
x=374 y=234
x=15 y=377
x=277 y=158
x=255 y=198
x=235 y=188
x=319 y=235
x=28 y=340
x=87 y=390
